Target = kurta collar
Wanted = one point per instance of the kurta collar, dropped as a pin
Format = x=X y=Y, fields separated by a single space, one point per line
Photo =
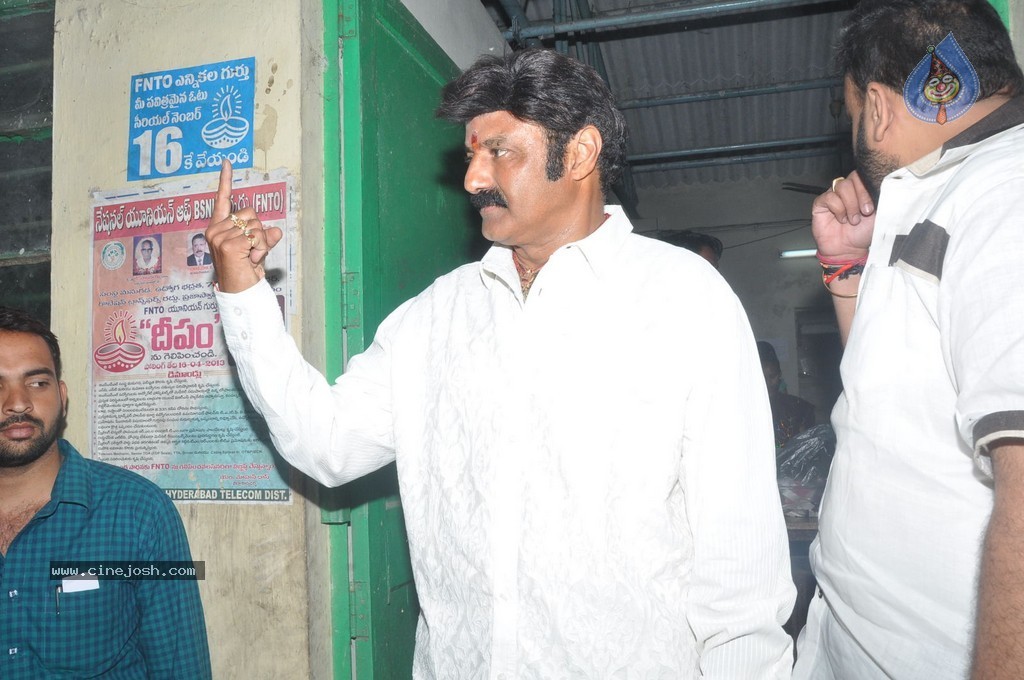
x=599 y=249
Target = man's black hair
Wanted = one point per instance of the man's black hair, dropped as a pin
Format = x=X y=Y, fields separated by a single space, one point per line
x=17 y=321
x=692 y=240
x=766 y=352
x=540 y=86
x=883 y=40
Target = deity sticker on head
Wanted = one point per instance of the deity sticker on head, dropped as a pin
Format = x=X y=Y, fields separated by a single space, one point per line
x=943 y=85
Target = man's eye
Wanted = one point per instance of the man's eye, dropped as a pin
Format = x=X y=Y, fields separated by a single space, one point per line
x=499 y=152
x=39 y=383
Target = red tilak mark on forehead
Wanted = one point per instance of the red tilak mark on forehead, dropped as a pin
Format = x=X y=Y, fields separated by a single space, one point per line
x=474 y=142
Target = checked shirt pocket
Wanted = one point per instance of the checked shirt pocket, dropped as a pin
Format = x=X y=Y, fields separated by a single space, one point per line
x=89 y=630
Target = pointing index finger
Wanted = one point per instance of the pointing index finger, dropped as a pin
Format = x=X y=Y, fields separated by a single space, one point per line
x=222 y=202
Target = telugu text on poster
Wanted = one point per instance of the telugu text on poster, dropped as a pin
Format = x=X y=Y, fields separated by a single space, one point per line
x=165 y=401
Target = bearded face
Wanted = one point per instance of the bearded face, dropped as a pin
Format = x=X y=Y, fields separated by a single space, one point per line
x=32 y=399
x=872 y=165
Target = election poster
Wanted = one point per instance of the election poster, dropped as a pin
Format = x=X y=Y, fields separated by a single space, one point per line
x=187 y=120
x=165 y=401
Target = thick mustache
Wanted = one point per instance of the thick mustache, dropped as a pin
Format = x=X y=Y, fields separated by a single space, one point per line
x=485 y=199
x=15 y=420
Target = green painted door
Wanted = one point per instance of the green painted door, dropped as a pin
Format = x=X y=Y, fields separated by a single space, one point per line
x=402 y=219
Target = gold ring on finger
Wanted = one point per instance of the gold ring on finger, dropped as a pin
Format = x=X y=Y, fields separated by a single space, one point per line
x=836 y=181
x=238 y=221
x=252 y=241
x=247 y=232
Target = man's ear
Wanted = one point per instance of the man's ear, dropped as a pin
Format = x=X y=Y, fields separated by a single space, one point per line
x=63 y=388
x=584 y=149
x=881 y=106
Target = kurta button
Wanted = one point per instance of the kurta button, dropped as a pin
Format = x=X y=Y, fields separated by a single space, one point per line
x=238 y=311
x=12 y=651
x=12 y=593
x=244 y=335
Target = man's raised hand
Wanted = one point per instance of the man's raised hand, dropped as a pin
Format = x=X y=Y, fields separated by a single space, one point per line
x=843 y=218
x=238 y=241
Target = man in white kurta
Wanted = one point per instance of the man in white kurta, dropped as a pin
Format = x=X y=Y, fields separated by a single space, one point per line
x=585 y=460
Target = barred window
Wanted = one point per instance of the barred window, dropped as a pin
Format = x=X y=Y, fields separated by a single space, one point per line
x=26 y=136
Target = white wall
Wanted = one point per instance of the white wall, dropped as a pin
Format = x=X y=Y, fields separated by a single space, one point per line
x=462 y=28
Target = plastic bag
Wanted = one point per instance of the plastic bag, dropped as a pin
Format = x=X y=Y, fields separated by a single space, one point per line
x=803 y=464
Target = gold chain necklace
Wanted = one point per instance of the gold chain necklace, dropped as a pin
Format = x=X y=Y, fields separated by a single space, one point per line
x=526 y=275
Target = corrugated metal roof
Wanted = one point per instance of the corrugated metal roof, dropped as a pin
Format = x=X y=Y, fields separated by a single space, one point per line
x=773 y=45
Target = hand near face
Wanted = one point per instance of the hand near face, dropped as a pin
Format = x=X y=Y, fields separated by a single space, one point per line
x=238 y=242
x=843 y=219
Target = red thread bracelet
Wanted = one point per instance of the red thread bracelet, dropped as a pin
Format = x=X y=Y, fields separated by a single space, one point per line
x=836 y=262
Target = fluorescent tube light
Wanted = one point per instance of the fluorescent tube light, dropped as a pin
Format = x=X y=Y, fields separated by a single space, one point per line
x=806 y=252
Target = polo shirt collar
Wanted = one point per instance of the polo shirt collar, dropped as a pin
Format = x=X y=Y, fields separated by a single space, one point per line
x=1009 y=115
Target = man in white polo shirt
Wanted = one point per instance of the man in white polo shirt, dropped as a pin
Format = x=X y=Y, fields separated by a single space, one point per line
x=920 y=553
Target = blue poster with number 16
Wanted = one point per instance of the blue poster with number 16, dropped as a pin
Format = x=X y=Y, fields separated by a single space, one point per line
x=185 y=121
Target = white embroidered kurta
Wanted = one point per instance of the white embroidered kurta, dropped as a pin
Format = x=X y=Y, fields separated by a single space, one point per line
x=588 y=477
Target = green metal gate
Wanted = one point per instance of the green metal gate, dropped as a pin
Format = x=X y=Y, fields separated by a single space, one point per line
x=402 y=219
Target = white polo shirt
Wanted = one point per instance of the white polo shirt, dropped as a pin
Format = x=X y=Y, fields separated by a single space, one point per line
x=932 y=372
